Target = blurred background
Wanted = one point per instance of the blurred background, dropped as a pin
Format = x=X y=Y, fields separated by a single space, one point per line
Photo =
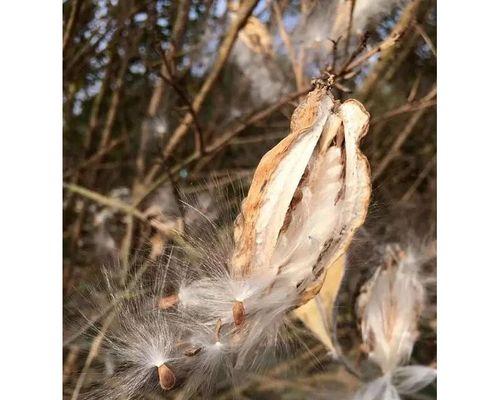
x=172 y=101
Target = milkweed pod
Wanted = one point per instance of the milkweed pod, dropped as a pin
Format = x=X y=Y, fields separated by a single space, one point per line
x=308 y=196
x=388 y=308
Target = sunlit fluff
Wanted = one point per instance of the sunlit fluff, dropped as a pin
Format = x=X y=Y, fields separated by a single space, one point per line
x=389 y=307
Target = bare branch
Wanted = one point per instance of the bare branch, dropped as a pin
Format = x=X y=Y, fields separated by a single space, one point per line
x=70 y=26
x=394 y=150
x=244 y=12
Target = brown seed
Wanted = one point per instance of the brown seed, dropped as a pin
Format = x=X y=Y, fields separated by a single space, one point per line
x=168 y=301
x=218 y=327
x=191 y=352
x=238 y=313
x=166 y=377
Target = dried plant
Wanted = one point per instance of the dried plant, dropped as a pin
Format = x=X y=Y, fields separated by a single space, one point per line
x=168 y=107
x=308 y=196
x=389 y=308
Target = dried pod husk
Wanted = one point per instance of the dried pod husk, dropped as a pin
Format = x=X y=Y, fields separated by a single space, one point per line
x=166 y=377
x=388 y=309
x=317 y=313
x=308 y=196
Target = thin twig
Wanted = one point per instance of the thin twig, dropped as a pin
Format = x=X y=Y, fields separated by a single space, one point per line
x=423 y=174
x=244 y=12
x=94 y=159
x=218 y=143
x=335 y=44
x=199 y=147
x=426 y=38
x=414 y=88
x=361 y=46
x=384 y=45
x=120 y=206
x=407 y=108
x=428 y=100
x=394 y=150
x=94 y=351
x=114 y=103
x=70 y=26
x=352 y=4
x=386 y=49
x=106 y=201
x=285 y=37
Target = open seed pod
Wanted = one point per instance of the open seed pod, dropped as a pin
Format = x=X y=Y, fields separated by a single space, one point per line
x=308 y=196
x=388 y=308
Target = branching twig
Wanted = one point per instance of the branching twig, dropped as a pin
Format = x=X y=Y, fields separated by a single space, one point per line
x=199 y=146
x=97 y=156
x=219 y=142
x=393 y=151
x=428 y=100
x=244 y=11
x=423 y=174
x=385 y=48
x=120 y=206
x=361 y=46
x=167 y=67
x=426 y=38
